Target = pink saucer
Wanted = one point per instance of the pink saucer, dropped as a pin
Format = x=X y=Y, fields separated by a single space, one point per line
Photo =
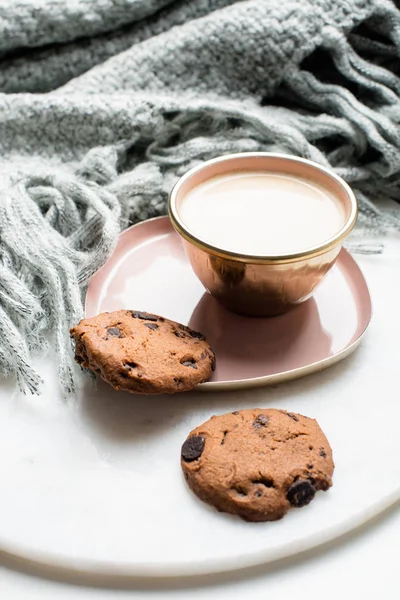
x=149 y=271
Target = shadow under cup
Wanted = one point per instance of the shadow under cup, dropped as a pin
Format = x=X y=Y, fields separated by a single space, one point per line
x=262 y=285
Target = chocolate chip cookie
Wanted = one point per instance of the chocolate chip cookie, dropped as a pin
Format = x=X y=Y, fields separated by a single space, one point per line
x=142 y=353
x=257 y=463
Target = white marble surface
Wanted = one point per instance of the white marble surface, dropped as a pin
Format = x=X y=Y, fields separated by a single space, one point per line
x=362 y=564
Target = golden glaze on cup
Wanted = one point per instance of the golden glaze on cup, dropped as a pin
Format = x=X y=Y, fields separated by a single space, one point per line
x=262 y=285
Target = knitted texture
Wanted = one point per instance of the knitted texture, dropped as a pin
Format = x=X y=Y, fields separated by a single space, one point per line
x=105 y=103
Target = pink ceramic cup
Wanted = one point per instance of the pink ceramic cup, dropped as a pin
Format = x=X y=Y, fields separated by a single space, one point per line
x=262 y=285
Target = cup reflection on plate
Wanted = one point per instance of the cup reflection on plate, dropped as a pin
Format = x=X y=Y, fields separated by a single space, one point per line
x=246 y=347
x=264 y=260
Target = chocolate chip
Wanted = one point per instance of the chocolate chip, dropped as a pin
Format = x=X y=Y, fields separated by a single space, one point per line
x=136 y=314
x=292 y=416
x=213 y=362
x=193 y=448
x=152 y=326
x=183 y=331
x=130 y=365
x=300 y=493
x=179 y=334
x=235 y=412
x=322 y=453
x=258 y=493
x=197 y=335
x=223 y=439
x=310 y=466
x=177 y=380
x=114 y=332
x=260 y=421
x=189 y=363
x=268 y=483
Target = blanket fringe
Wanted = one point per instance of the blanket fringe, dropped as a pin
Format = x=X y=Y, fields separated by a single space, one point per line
x=43 y=266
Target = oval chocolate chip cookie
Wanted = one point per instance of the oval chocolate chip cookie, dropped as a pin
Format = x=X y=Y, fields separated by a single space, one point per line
x=257 y=463
x=143 y=353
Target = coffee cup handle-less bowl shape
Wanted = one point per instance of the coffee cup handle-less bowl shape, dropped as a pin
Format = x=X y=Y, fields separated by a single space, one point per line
x=257 y=285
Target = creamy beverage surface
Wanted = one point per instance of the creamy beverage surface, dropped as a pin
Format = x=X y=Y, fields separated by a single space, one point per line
x=262 y=213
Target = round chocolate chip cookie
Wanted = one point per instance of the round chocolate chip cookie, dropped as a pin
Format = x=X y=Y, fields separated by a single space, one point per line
x=142 y=353
x=257 y=463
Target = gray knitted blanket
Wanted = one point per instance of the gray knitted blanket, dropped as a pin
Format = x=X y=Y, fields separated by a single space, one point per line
x=104 y=103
